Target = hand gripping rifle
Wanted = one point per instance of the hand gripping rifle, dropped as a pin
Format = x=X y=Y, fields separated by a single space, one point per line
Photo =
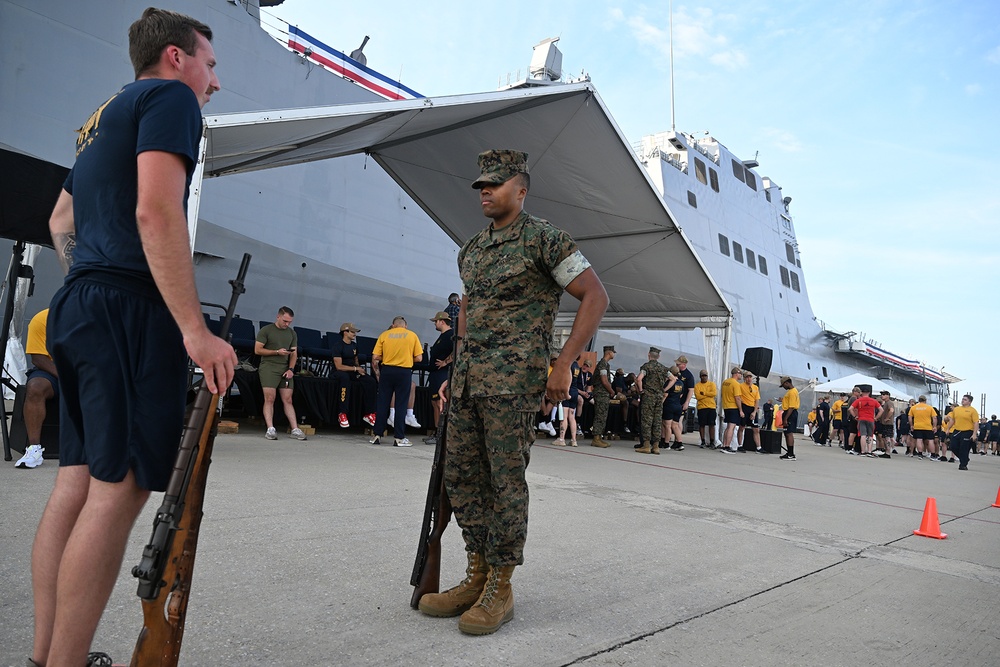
x=426 y=577
x=167 y=564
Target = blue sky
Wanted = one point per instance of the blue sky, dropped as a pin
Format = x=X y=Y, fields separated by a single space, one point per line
x=878 y=118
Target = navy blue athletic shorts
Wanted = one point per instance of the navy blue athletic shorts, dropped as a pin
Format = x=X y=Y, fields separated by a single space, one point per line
x=437 y=378
x=732 y=416
x=53 y=380
x=790 y=419
x=123 y=370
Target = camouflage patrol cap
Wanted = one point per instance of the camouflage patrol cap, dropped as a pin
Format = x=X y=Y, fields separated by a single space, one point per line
x=499 y=166
x=654 y=350
x=610 y=348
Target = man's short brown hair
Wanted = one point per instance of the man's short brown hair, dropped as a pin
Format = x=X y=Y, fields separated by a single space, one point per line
x=157 y=29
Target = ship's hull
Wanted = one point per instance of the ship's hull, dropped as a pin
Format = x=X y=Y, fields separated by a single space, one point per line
x=339 y=240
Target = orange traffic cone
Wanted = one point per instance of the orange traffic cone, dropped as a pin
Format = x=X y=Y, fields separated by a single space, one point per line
x=997 y=503
x=929 y=526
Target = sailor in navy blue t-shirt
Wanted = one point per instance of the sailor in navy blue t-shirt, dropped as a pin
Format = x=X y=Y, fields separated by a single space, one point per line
x=123 y=324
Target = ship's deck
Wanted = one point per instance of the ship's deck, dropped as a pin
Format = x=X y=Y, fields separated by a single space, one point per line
x=688 y=558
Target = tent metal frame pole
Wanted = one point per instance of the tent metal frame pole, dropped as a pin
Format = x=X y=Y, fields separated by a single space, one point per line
x=17 y=270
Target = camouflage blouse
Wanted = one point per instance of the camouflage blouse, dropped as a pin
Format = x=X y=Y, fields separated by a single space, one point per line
x=513 y=279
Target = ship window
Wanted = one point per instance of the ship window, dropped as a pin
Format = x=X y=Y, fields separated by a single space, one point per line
x=737 y=252
x=751 y=259
x=767 y=193
x=713 y=176
x=784 y=277
x=724 y=244
x=790 y=252
x=692 y=199
x=699 y=171
x=751 y=179
x=809 y=366
x=795 y=281
x=762 y=263
x=798 y=263
x=824 y=371
x=738 y=171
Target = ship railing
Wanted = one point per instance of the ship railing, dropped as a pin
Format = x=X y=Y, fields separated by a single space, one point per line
x=657 y=152
x=704 y=151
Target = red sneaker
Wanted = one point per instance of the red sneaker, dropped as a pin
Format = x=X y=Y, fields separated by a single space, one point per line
x=369 y=419
x=343 y=421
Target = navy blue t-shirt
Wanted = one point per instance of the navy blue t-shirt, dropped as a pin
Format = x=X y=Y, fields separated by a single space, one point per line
x=348 y=352
x=145 y=115
x=442 y=347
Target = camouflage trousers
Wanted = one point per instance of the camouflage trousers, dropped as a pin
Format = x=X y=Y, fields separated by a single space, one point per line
x=601 y=404
x=650 y=418
x=489 y=446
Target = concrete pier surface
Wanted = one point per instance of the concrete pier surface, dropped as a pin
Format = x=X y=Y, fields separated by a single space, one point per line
x=687 y=558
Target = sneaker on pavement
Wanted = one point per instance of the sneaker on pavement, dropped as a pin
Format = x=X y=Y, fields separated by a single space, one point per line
x=963 y=467
x=271 y=434
x=885 y=456
x=559 y=442
x=411 y=420
x=369 y=419
x=32 y=457
x=298 y=434
x=431 y=440
x=343 y=420
x=374 y=440
x=787 y=457
x=726 y=450
x=677 y=447
x=951 y=459
x=402 y=442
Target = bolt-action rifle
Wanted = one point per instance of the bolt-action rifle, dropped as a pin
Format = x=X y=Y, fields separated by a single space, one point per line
x=426 y=577
x=167 y=564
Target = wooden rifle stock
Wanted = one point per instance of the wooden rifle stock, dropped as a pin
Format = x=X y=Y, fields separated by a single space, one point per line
x=426 y=576
x=167 y=565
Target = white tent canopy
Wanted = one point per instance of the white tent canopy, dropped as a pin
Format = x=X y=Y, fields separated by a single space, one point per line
x=584 y=178
x=847 y=384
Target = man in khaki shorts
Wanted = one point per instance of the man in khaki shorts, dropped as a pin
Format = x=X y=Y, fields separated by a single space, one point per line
x=276 y=346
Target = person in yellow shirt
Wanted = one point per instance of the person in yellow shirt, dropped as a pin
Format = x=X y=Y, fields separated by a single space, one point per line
x=923 y=423
x=705 y=391
x=750 y=399
x=962 y=421
x=42 y=384
x=790 y=411
x=732 y=409
x=396 y=350
x=837 y=413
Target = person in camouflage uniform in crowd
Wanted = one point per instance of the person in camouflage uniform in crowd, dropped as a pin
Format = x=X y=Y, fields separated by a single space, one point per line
x=652 y=376
x=513 y=273
x=603 y=392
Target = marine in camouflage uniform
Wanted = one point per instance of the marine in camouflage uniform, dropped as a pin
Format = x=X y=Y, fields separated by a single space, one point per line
x=602 y=399
x=514 y=273
x=652 y=377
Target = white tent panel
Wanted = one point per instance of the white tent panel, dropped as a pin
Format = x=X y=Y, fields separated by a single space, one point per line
x=584 y=179
x=847 y=384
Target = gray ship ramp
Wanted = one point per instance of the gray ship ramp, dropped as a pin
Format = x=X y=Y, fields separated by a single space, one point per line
x=688 y=558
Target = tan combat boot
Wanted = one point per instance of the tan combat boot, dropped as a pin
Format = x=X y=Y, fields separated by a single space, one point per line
x=644 y=449
x=456 y=600
x=598 y=441
x=494 y=608
x=655 y=448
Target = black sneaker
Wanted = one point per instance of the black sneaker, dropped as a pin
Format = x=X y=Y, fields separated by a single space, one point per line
x=963 y=467
x=884 y=456
x=951 y=460
x=787 y=457
x=677 y=447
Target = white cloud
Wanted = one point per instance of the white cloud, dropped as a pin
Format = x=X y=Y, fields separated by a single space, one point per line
x=973 y=89
x=694 y=36
x=783 y=140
